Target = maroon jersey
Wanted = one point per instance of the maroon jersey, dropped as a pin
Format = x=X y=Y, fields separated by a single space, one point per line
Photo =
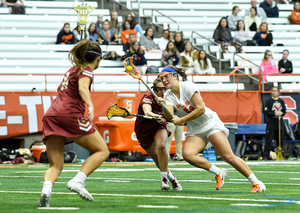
x=146 y=129
x=68 y=101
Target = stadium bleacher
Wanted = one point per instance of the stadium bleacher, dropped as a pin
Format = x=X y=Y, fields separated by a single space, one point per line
x=27 y=42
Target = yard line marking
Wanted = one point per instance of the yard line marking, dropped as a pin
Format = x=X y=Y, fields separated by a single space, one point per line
x=58 y=208
x=163 y=196
x=151 y=206
x=117 y=181
x=248 y=204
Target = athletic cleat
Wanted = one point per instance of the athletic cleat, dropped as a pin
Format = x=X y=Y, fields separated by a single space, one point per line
x=259 y=187
x=164 y=184
x=45 y=198
x=220 y=178
x=80 y=190
x=175 y=184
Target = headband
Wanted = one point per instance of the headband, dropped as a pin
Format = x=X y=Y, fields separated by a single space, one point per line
x=167 y=70
x=90 y=51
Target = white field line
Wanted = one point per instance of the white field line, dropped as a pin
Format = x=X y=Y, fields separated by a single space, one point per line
x=160 y=207
x=117 y=181
x=163 y=196
x=248 y=204
x=136 y=179
x=58 y=208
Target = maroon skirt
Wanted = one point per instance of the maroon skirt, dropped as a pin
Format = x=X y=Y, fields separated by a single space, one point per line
x=68 y=127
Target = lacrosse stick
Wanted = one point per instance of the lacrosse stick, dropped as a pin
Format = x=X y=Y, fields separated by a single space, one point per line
x=115 y=110
x=135 y=73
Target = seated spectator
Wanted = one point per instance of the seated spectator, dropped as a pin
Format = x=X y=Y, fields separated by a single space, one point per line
x=284 y=65
x=12 y=3
x=171 y=56
x=99 y=22
x=295 y=16
x=234 y=18
x=114 y=25
x=130 y=17
x=189 y=55
x=242 y=36
x=222 y=35
x=268 y=65
x=260 y=11
x=179 y=43
x=147 y=43
x=138 y=55
x=126 y=46
x=202 y=64
x=164 y=40
x=270 y=8
x=65 y=36
x=126 y=31
x=93 y=35
x=263 y=37
x=77 y=33
x=252 y=22
x=106 y=35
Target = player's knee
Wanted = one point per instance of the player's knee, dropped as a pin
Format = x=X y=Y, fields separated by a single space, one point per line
x=106 y=153
x=161 y=147
x=187 y=155
x=229 y=158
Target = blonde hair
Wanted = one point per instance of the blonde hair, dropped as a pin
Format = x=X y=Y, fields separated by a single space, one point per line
x=188 y=52
x=83 y=53
x=265 y=56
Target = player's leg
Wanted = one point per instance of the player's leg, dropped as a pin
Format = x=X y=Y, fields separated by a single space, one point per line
x=222 y=146
x=191 y=147
x=95 y=144
x=55 y=146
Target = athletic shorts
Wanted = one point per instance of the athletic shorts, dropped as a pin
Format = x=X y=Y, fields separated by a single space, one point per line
x=68 y=127
x=217 y=128
x=147 y=140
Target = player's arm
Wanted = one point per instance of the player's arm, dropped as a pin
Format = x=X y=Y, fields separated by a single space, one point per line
x=198 y=111
x=84 y=92
x=147 y=108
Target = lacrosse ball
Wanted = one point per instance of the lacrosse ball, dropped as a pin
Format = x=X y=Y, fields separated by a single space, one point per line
x=129 y=68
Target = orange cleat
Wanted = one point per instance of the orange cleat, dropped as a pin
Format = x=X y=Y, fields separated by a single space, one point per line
x=220 y=178
x=259 y=187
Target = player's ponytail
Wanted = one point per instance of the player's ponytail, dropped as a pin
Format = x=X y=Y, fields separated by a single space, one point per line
x=83 y=53
x=181 y=71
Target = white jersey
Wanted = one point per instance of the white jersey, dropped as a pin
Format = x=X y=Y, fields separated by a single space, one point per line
x=204 y=123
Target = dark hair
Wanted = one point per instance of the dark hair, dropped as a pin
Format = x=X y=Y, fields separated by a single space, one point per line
x=179 y=34
x=128 y=23
x=140 y=51
x=83 y=53
x=90 y=28
x=145 y=34
x=276 y=88
x=181 y=71
x=234 y=8
x=286 y=50
x=205 y=65
x=254 y=9
x=174 y=50
x=66 y=23
x=219 y=27
x=295 y=3
x=237 y=25
x=77 y=29
x=168 y=32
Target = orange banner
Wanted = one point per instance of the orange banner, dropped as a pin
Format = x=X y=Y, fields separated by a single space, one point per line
x=22 y=113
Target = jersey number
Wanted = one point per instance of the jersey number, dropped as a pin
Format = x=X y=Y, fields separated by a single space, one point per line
x=65 y=82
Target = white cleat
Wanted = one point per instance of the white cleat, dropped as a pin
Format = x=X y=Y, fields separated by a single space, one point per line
x=80 y=190
x=45 y=198
x=175 y=184
x=164 y=184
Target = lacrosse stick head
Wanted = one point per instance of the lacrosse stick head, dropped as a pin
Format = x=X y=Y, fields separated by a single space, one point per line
x=115 y=110
x=131 y=69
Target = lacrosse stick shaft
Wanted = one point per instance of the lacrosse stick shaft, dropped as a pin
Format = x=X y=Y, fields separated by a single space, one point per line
x=146 y=116
x=164 y=106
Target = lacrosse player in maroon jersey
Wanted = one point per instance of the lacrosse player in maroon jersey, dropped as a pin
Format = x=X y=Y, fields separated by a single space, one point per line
x=152 y=135
x=65 y=119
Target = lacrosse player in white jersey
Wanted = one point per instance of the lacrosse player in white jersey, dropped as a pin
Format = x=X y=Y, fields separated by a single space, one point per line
x=204 y=128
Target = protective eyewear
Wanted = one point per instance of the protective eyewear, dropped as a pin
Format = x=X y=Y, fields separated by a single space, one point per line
x=159 y=89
